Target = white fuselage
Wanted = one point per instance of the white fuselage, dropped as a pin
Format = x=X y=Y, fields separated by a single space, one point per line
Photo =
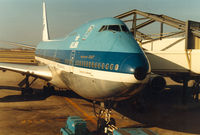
x=94 y=84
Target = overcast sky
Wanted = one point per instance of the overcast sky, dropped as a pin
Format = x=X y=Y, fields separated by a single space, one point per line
x=21 y=20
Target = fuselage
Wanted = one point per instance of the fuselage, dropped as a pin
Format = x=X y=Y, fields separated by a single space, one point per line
x=99 y=61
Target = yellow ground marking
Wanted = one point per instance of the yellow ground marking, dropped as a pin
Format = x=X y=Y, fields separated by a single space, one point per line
x=90 y=118
x=23 y=122
x=32 y=121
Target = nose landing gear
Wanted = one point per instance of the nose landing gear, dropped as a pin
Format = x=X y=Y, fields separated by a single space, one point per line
x=105 y=123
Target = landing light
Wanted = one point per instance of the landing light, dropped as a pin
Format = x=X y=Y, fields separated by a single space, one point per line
x=132 y=70
x=140 y=73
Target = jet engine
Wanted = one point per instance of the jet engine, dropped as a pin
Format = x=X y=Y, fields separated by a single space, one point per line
x=157 y=83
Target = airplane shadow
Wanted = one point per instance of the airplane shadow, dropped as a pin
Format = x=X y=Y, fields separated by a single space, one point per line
x=164 y=110
x=68 y=93
x=10 y=88
x=21 y=98
x=36 y=96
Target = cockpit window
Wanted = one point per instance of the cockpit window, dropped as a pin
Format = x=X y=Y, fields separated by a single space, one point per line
x=114 y=28
x=124 y=28
x=103 y=28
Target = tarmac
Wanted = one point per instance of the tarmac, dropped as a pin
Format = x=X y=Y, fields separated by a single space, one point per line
x=161 y=112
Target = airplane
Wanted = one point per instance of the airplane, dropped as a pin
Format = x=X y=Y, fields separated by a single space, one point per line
x=100 y=61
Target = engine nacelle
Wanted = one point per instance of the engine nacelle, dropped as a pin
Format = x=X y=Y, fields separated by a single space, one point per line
x=177 y=79
x=157 y=83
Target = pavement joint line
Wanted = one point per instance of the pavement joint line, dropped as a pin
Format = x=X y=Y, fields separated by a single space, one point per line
x=81 y=110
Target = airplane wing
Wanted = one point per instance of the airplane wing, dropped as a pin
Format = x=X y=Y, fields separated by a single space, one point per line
x=17 y=44
x=42 y=72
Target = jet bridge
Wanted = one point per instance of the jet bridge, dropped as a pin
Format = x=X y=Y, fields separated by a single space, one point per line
x=171 y=45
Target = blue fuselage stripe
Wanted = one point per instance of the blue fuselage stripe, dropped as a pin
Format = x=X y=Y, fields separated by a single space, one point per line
x=98 y=60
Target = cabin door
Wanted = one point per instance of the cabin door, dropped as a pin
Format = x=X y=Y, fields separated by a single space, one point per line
x=72 y=60
x=72 y=57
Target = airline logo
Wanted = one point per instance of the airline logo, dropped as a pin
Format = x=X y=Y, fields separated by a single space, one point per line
x=75 y=43
x=88 y=32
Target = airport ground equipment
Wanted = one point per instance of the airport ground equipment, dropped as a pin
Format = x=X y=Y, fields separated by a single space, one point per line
x=77 y=126
x=105 y=123
x=171 y=45
x=74 y=126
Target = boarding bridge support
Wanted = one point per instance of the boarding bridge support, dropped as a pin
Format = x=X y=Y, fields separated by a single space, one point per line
x=184 y=92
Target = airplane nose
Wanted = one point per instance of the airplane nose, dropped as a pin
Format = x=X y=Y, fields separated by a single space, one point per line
x=140 y=73
x=137 y=65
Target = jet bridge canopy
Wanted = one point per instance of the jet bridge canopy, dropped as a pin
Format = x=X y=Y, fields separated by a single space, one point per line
x=138 y=20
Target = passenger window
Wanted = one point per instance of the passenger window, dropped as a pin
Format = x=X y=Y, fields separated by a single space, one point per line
x=86 y=64
x=95 y=65
x=103 y=28
x=114 y=28
x=99 y=65
x=124 y=28
x=111 y=67
x=89 y=64
x=102 y=66
x=107 y=66
x=92 y=64
x=116 y=67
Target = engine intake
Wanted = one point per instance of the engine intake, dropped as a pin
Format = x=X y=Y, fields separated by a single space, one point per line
x=157 y=83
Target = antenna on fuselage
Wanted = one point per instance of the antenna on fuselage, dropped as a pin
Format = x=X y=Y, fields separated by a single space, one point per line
x=45 y=34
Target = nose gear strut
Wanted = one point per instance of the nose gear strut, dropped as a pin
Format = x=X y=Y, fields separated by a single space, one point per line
x=105 y=123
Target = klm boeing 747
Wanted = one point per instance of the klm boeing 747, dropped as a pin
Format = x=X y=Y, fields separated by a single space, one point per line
x=100 y=61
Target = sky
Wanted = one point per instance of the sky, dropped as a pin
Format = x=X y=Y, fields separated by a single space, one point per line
x=21 y=20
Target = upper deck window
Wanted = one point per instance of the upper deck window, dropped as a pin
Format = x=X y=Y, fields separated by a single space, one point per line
x=124 y=28
x=114 y=28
